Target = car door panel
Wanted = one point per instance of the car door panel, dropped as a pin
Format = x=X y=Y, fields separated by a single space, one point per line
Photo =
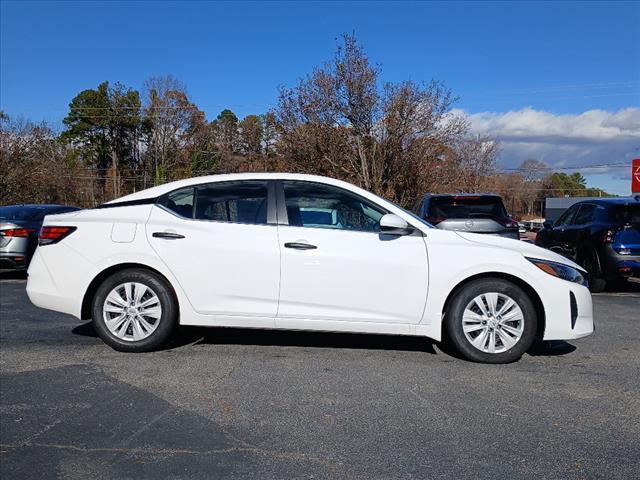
x=347 y=271
x=353 y=276
x=224 y=268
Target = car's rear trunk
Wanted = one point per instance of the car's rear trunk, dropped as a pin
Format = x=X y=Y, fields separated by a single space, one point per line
x=626 y=234
x=472 y=213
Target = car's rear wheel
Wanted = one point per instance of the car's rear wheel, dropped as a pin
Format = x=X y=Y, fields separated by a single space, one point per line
x=134 y=310
x=491 y=320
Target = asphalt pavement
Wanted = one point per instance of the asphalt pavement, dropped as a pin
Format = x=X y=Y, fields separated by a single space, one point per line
x=233 y=403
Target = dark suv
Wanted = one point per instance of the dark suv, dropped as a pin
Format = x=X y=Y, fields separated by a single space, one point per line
x=473 y=213
x=601 y=235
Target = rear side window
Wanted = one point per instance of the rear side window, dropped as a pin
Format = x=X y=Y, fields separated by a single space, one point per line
x=179 y=202
x=237 y=202
x=441 y=208
x=625 y=214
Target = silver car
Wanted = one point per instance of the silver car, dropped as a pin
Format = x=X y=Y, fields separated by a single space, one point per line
x=473 y=213
x=19 y=226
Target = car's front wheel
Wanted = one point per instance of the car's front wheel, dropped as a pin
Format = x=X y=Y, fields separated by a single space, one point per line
x=491 y=320
x=134 y=310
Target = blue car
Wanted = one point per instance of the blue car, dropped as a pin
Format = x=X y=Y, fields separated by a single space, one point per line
x=601 y=235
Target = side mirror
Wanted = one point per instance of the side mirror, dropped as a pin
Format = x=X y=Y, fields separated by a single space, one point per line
x=547 y=224
x=391 y=224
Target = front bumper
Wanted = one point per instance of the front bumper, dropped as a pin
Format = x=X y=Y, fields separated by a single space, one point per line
x=569 y=313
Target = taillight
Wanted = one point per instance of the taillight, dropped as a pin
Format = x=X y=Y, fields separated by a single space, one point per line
x=435 y=220
x=16 y=232
x=49 y=235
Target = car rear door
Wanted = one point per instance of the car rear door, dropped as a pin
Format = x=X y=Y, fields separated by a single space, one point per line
x=220 y=240
x=345 y=269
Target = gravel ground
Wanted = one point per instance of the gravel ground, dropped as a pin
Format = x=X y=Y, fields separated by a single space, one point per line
x=232 y=403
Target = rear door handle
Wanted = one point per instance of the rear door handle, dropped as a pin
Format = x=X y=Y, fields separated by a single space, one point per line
x=299 y=246
x=168 y=235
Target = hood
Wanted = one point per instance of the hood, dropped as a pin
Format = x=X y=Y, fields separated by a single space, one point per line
x=526 y=249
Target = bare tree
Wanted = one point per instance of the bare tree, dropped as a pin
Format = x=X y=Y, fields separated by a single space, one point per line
x=389 y=139
x=533 y=174
x=172 y=121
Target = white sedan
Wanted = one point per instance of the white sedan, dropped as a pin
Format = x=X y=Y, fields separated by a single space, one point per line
x=299 y=252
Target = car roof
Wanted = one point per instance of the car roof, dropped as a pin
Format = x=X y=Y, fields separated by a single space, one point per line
x=159 y=190
x=462 y=195
x=606 y=202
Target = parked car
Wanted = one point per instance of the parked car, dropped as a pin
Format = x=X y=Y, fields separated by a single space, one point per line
x=522 y=229
x=475 y=213
x=603 y=236
x=536 y=226
x=19 y=226
x=237 y=251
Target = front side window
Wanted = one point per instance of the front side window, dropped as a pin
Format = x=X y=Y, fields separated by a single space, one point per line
x=323 y=206
x=585 y=215
x=566 y=217
x=237 y=202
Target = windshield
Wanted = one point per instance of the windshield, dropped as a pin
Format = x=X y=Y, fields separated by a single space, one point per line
x=466 y=207
x=18 y=212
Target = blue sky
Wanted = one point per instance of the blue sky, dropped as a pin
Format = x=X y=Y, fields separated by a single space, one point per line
x=561 y=59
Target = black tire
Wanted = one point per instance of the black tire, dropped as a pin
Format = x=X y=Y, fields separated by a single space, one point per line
x=167 y=321
x=454 y=328
x=597 y=283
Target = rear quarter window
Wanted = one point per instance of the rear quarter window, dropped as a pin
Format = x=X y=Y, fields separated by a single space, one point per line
x=624 y=214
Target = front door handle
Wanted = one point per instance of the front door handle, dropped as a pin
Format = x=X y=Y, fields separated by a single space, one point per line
x=168 y=235
x=299 y=246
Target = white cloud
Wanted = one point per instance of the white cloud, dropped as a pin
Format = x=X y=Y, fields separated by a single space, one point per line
x=594 y=137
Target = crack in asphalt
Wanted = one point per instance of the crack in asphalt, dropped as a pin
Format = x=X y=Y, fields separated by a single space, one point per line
x=171 y=451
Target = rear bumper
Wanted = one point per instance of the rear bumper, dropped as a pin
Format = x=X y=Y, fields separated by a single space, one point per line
x=44 y=292
x=13 y=261
x=618 y=266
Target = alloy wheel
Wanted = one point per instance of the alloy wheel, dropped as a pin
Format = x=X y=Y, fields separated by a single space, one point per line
x=493 y=322
x=132 y=311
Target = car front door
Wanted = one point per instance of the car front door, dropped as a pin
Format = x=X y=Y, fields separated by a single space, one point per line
x=558 y=234
x=220 y=241
x=578 y=231
x=337 y=266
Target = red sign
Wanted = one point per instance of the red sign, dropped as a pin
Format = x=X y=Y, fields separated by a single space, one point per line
x=635 y=176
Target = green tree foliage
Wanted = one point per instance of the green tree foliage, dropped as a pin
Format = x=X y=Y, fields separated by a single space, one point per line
x=105 y=126
x=225 y=127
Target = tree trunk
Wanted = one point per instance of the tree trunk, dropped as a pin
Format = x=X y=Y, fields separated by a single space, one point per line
x=116 y=179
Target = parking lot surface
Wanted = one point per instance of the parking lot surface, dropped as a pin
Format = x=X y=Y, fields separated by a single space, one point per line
x=232 y=403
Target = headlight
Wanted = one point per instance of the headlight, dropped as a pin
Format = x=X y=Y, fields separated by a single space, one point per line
x=561 y=270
